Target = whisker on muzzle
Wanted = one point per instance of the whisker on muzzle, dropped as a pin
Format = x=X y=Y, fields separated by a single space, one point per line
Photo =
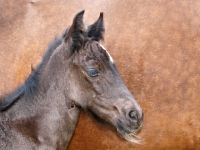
x=132 y=137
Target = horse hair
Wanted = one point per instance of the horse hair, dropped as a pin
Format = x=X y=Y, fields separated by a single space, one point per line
x=29 y=87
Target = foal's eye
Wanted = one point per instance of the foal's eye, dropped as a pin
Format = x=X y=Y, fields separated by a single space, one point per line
x=92 y=72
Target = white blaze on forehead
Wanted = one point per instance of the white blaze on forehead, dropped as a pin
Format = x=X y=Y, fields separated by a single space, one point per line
x=110 y=57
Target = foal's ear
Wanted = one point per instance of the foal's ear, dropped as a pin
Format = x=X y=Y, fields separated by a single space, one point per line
x=96 y=30
x=76 y=33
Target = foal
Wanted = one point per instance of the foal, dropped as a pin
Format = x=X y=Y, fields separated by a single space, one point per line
x=76 y=72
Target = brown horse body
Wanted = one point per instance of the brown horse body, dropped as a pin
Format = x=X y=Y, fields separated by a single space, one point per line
x=76 y=72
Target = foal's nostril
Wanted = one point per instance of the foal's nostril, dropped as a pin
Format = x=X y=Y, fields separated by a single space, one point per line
x=133 y=115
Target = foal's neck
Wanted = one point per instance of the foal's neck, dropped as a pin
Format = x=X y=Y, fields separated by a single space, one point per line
x=49 y=104
x=57 y=116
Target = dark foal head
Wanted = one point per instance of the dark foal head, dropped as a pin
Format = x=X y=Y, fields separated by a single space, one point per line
x=94 y=82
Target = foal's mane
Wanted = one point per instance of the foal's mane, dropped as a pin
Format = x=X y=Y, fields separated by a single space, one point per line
x=30 y=86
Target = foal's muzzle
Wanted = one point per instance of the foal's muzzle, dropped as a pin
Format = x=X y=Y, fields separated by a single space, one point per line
x=130 y=122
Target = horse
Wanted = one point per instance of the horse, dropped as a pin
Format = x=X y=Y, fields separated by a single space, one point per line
x=76 y=72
